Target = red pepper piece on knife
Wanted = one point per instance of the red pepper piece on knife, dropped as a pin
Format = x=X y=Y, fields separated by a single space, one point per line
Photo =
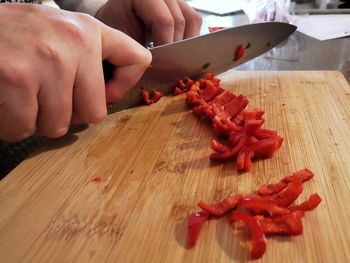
x=215 y=28
x=195 y=223
x=258 y=237
x=310 y=204
x=239 y=52
x=221 y=207
x=289 y=224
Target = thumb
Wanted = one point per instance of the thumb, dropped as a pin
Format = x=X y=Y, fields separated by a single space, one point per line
x=129 y=58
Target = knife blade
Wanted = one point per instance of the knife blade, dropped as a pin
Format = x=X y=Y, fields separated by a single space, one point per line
x=194 y=57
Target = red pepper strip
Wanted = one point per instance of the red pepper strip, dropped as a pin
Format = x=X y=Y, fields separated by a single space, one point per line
x=269 y=189
x=258 y=236
x=289 y=224
x=229 y=155
x=256 y=114
x=223 y=126
x=195 y=223
x=221 y=207
x=210 y=91
x=218 y=147
x=215 y=28
x=302 y=176
x=239 y=119
x=248 y=164
x=244 y=159
x=267 y=147
x=145 y=95
x=183 y=86
x=252 y=126
x=236 y=105
x=265 y=134
x=193 y=98
x=209 y=75
x=178 y=91
x=156 y=95
x=258 y=205
x=239 y=52
x=308 y=205
x=289 y=194
x=240 y=160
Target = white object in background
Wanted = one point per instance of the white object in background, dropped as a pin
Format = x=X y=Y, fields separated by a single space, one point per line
x=219 y=7
x=323 y=27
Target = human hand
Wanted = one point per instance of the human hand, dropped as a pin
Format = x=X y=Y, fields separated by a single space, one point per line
x=165 y=20
x=51 y=70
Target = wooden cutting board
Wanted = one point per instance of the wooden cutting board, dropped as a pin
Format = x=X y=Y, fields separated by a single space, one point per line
x=119 y=191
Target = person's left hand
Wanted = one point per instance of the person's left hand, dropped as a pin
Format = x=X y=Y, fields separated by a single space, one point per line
x=158 y=21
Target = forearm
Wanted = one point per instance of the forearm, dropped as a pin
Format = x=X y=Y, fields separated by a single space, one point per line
x=83 y=6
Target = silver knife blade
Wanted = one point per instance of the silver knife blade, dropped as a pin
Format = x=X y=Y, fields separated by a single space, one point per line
x=194 y=57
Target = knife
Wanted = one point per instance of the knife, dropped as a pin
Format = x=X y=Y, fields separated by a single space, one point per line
x=194 y=57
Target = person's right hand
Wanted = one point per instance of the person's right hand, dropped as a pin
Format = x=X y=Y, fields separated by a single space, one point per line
x=51 y=70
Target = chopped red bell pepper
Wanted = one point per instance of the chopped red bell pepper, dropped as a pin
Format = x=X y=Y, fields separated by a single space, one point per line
x=269 y=189
x=210 y=91
x=268 y=214
x=310 y=204
x=243 y=129
x=195 y=223
x=288 y=224
x=183 y=86
x=221 y=207
x=302 y=176
x=289 y=194
x=156 y=95
x=258 y=205
x=258 y=237
x=266 y=148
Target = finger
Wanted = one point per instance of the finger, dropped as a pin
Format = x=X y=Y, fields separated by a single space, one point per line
x=157 y=16
x=55 y=102
x=192 y=18
x=89 y=99
x=129 y=58
x=179 y=20
x=18 y=111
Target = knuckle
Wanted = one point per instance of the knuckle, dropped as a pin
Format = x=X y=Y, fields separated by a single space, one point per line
x=180 y=22
x=15 y=73
x=17 y=137
x=197 y=19
x=24 y=129
x=97 y=117
x=55 y=133
x=77 y=31
x=166 y=22
x=89 y=117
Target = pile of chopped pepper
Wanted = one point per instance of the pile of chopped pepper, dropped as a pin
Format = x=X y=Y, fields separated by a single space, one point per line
x=241 y=129
x=269 y=211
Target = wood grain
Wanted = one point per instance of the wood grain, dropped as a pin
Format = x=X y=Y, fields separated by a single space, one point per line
x=119 y=191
